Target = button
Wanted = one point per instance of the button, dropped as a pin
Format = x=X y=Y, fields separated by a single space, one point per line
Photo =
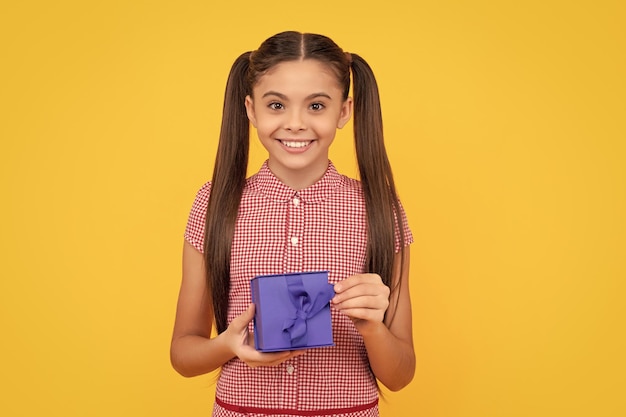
x=296 y=201
x=294 y=241
x=290 y=369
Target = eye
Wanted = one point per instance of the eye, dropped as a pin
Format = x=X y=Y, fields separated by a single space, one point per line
x=317 y=106
x=275 y=105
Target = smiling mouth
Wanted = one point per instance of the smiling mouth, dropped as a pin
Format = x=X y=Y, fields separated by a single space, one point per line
x=296 y=143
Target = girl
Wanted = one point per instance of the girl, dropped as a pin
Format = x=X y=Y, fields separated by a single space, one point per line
x=297 y=214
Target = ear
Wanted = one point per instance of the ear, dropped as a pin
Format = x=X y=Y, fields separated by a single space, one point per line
x=346 y=113
x=250 y=110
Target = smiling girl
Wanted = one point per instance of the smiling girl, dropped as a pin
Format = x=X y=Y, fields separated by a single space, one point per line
x=297 y=213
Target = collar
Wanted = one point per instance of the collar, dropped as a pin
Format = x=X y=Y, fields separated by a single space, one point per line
x=266 y=183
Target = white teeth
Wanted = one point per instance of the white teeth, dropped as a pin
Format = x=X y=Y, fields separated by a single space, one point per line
x=295 y=144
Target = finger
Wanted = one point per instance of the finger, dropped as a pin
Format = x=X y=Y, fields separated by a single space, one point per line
x=248 y=315
x=365 y=302
x=242 y=321
x=356 y=280
x=363 y=290
x=255 y=358
x=364 y=314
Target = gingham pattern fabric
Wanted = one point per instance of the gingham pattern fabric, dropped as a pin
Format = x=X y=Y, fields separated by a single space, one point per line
x=280 y=230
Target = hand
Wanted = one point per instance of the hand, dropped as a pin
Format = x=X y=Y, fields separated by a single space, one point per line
x=364 y=298
x=241 y=342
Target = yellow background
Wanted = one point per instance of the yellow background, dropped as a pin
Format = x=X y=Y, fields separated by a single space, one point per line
x=505 y=123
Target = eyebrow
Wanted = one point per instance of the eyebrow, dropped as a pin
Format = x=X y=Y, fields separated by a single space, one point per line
x=284 y=97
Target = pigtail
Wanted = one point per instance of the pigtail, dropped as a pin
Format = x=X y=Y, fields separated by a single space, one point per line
x=383 y=207
x=229 y=177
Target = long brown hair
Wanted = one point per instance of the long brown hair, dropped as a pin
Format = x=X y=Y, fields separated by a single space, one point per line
x=229 y=175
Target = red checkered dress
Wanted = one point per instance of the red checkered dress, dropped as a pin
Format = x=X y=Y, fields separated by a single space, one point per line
x=280 y=230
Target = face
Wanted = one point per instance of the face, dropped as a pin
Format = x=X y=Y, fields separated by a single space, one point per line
x=297 y=107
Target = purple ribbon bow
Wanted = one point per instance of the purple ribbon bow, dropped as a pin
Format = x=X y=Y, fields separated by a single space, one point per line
x=307 y=306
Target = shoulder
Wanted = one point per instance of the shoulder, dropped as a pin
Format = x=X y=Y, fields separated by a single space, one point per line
x=204 y=192
x=340 y=183
x=194 y=232
x=350 y=187
x=201 y=200
x=350 y=183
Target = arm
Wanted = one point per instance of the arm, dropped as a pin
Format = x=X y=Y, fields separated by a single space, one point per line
x=193 y=351
x=388 y=340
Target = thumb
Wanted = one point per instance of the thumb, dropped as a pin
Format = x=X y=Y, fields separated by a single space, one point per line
x=248 y=315
x=245 y=318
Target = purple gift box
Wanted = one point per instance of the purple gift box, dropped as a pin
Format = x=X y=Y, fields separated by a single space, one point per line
x=292 y=311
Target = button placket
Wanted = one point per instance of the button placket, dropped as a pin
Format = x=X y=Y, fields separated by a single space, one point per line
x=290 y=368
x=295 y=230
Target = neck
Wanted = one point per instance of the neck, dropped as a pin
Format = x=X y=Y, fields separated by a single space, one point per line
x=299 y=179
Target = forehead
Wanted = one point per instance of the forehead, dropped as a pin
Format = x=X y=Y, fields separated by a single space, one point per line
x=298 y=76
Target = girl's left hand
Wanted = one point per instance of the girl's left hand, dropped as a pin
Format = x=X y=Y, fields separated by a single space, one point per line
x=362 y=297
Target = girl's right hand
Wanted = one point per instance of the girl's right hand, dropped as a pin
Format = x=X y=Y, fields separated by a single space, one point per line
x=241 y=342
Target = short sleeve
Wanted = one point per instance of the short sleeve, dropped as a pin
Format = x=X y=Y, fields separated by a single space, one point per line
x=408 y=236
x=194 y=232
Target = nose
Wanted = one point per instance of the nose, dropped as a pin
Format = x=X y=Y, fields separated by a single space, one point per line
x=294 y=121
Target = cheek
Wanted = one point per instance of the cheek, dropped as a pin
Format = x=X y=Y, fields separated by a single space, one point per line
x=266 y=127
x=327 y=129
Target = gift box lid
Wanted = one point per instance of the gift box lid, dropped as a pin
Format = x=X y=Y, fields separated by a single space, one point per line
x=292 y=311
